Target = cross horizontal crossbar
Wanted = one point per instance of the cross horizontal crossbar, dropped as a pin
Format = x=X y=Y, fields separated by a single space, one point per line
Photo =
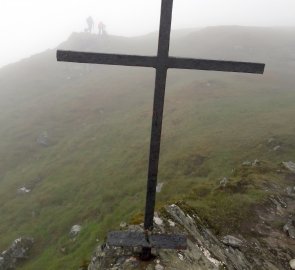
x=153 y=61
x=106 y=59
x=138 y=239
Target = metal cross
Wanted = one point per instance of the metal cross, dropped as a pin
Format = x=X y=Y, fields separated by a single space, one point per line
x=161 y=63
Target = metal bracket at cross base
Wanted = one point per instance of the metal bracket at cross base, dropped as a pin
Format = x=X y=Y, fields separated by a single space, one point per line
x=146 y=241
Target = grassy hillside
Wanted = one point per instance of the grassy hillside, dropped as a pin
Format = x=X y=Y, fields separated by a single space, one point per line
x=98 y=119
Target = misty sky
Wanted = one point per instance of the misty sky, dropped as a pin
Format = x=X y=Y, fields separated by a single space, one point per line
x=31 y=26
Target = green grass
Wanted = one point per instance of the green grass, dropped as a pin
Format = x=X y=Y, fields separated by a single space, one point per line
x=94 y=172
x=224 y=209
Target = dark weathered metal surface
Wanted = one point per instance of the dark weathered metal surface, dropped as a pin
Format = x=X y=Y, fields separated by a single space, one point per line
x=203 y=64
x=155 y=142
x=161 y=62
x=165 y=30
x=159 y=95
x=167 y=241
x=155 y=62
x=127 y=239
x=106 y=59
x=137 y=239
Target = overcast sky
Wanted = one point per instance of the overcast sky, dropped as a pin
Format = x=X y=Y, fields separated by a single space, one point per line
x=31 y=26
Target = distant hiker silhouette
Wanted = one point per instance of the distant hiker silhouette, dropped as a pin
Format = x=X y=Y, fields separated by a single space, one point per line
x=101 y=29
x=90 y=24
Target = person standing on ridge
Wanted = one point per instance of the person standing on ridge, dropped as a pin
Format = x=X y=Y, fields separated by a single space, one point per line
x=101 y=29
x=90 y=24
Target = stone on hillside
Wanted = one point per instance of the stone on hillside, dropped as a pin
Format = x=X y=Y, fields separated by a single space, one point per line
x=123 y=225
x=63 y=250
x=289 y=191
x=209 y=257
x=43 y=139
x=130 y=263
x=23 y=190
x=180 y=256
x=75 y=230
x=270 y=140
x=276 y=148
x=281 y=201
x=292 y=264
x=21 y=247
x=223 y=182
x=289 y=229
x=290 y=166
x=159 y=187
x=19 y=250
x=158 y=221
x=171 y=223
x=159 y=267
x=247 y=163
x=255 y=163
x=232 y=241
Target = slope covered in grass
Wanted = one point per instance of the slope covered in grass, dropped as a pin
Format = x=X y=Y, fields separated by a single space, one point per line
x=98 y=119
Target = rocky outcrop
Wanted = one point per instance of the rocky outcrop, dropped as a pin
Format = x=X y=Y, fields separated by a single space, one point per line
x=205 y=250
x=232 y=241
x=18 y=251
x=290 y=166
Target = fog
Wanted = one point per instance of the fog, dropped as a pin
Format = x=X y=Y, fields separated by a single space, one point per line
x=31 y=26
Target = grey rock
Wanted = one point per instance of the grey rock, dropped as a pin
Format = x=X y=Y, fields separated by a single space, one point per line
x=158 y=221
x=75 y=230
x=292 y=264
x=159 y=267
x=43 y=139
x=278 y=202
x=232 y=241
x=204 y=252
x=276 y=148
x=247 y=163
x=171 y=223
x=289 y=165
x=290 y=191
x=209 y=251
x=123 y=225
x=23 y=190
x=289 y=229
x=223 y=182
x=18 y=251
x=180 y=256
x=255 y=163
x=159 y=187
x=130 y=263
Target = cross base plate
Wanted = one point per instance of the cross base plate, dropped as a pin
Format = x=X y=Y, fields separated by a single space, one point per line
x=138 y=239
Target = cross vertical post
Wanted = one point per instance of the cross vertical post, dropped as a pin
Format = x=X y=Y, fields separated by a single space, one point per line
x=158 y=107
